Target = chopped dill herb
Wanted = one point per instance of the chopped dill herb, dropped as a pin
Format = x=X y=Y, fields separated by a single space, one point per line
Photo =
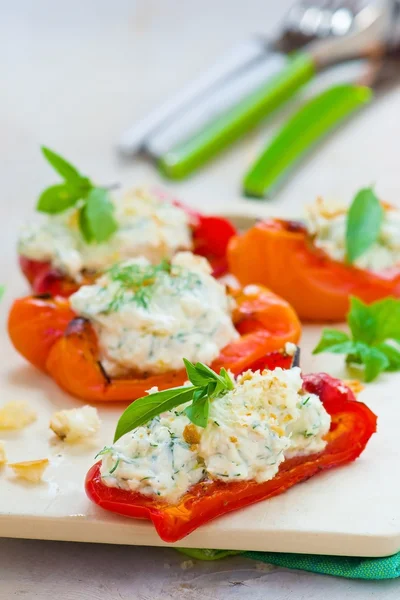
x=106 y=450
x=136 y=275
x=305 y=401
x=115 y=467
x=139 y=279
x=142 y=281
x=216 y=423
x=307 y=434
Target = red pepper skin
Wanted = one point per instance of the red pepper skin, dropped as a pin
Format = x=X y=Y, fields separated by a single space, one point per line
x=45 y=279
x=280 y=255
x=211 y=236
x=44 y=314
x=353 y=423
x=70 y=354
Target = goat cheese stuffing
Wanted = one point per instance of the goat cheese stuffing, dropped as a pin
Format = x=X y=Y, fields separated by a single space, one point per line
x=147 y=226
x=327 y=224
x=251 y=430
x=148 y=318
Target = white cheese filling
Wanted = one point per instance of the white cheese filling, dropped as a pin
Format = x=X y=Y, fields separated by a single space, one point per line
x=182 y=313
x=147 y=226
x=251 y=430
x=327 y=224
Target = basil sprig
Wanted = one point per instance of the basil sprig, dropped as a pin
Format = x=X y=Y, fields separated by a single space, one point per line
x=374 y=343
x=96 y=210
x=206 y=385
x=364 y=221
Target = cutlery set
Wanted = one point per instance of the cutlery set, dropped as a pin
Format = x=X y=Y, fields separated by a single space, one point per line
x=258 y=76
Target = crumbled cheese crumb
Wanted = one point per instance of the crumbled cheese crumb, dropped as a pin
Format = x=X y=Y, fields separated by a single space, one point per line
x=30 y=470
x=3 y=457
x=16 y=415
x=290 y=348
x=75 y=424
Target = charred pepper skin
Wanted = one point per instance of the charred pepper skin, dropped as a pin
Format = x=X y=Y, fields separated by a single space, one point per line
x=48 y=334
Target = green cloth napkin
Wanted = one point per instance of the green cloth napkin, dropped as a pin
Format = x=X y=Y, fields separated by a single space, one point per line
x=351 y=567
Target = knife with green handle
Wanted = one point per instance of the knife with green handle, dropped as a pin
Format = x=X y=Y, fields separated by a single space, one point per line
x=310 y=124
x=184 y=158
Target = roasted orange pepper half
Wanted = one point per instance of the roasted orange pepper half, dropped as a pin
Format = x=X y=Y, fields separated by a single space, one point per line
x=211 y=235
x=280 y=255
x=45 y=331
x=352 y=424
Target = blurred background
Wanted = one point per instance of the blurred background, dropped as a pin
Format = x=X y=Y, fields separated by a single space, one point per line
x=77 y=74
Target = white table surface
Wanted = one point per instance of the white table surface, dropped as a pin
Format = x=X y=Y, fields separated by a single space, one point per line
x=74 y=75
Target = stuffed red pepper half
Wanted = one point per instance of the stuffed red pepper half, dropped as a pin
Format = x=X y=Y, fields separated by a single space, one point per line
x=318 y=264
x=129 y=331
x=184 y=457
x=58 y=255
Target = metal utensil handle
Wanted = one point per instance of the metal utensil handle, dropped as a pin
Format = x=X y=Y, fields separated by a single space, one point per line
x=185 y=158
x=215 y=104
x=238 y=58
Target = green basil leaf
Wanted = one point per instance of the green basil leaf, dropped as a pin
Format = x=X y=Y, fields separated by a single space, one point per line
x=199 y=394
x=144 y=409
x=354 y=358
x=99 y=215
x=85 y=186
x=386 y=313
x=63 y=167
x=362 y=321
x=344 y=348
x=58 y=198
x=208 y=373
x=374 y=362
x=225 y=376
x=198 y=411
x=376 y=322
x=392 y=353
x=84 y=225
x=214 y=388
x=331 y=338
x=364 y=220
x=224 y=381
x=194 y=376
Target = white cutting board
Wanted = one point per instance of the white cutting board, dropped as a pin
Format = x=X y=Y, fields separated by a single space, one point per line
x=353 y=510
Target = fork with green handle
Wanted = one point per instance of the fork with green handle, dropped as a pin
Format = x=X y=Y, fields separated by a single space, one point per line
x=187 y=156
x=313 y=121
